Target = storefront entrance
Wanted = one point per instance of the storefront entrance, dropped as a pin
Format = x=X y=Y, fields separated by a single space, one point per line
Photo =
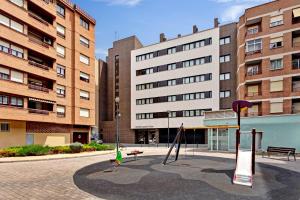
x=81 y=137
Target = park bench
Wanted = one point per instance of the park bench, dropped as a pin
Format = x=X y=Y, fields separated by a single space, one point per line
x=135 y=154
x=281 y=150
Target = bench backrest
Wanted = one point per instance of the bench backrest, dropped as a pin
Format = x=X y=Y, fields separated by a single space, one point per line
x=281 y=149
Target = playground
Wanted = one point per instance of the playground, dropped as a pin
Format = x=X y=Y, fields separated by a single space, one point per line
x=190 y=177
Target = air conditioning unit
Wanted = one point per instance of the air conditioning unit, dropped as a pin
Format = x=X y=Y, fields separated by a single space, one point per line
x=48 y=41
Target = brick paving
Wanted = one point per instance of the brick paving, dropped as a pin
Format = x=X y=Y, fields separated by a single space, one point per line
x=53 y=179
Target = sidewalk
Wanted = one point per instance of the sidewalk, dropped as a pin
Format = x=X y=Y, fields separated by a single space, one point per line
x=54 y=157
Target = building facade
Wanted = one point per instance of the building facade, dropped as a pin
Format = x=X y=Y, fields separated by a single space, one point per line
x=47 y=93
x=267 y=75
x=176 y=81
x=116 y=82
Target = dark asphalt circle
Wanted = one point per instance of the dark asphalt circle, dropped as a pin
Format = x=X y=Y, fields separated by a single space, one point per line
x=191 y=177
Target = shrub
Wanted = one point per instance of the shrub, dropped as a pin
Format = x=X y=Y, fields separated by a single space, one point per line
x=7 y=153
x=76 y=147
x=30 y=150
x=87 y=147
x=101 y=147
x=61 y=149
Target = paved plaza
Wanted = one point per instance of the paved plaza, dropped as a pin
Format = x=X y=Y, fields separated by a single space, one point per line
x=203 y=176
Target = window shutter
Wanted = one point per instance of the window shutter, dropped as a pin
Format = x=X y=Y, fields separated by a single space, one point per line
x=17 y=76
x=276 y=18
x=276 y=86
x=17 y=49
x=60 y=109
x=296 y=12
x=16 y=26
x=60 y=29
x=83 y=75
x=84 y=94
x=274 y=40
x=18 y=2
x=4 y=20
x=4 y=70
x=276 y=107
x=60 y=49
x=253 y=89
x=84 y=59
x=84 y=112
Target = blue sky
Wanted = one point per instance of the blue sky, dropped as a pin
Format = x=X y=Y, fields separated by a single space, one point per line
x=148 y=18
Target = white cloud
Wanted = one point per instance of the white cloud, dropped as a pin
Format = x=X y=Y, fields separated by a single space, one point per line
x=236 y=8
x=130 y=3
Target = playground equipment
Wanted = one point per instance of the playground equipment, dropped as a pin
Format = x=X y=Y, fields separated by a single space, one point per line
x=245 y=163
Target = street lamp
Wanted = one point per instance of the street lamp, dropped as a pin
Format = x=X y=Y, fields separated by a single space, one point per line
x=118 y=115
x=168 y=111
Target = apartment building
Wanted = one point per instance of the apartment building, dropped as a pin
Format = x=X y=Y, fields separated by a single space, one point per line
x=47 y=93
x=116 y=82
x=268 y=75
x=176 y=81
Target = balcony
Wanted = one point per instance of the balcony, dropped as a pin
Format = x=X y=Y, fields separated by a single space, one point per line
x=253 y=68
x=296 y=38
x=35 y=12
x=296 y=84
x=253 y=90
x=38 y=60
x=39 y=106
x=253 y=94
x=253 y=26
x=39 y=88
x=296 y=106
x=36 y=111
x=296 y=61
x=33 y=63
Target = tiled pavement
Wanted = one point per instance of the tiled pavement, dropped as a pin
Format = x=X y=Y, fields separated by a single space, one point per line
x=53 y=179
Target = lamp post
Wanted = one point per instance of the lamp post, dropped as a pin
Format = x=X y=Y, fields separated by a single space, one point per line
x=118 y=115
x=168 y=111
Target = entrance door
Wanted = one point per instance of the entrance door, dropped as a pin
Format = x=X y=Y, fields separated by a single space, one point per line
x=29 y=139
x=81 y=137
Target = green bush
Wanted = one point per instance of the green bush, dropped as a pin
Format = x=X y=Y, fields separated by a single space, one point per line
x=30 y=150
x=88 y=148
x=76 y=147
x=101 y=147
x=61 y=149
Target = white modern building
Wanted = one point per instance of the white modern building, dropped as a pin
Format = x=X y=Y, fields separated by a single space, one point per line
x=174 y=82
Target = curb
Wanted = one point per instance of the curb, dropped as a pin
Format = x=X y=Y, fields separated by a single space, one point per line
x=54 y=158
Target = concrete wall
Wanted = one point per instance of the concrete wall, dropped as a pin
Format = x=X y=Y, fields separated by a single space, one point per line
x=53 y=139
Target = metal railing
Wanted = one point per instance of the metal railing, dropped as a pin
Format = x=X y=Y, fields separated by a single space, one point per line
x=296 y=88
x=296 y=63
x=38 y=18
x=37 y=111
x=39 y=88
x=253 y=73
x=253 y=94
x=38 y=41
x=31 y=62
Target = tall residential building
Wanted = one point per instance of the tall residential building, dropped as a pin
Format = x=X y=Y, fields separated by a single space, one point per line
x=47 y=93
x=118 y=84
x=176 y=81
x=269 y=58
x=268 y=75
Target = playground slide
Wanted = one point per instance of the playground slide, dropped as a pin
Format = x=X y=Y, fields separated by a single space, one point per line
x=243 y=172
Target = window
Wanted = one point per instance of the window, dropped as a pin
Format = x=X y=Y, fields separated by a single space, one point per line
x=18 y=2
x=253 y=90
x=61 y=90
x=171 y=98
x=84 y=41
x=3 y=100
x=225 y=40
x=61 y=30
x=225 y=76
x=253 y=30
x=16 y=26
x=276 y=64
x=84 y=23
x=172 y=82
x=276 y=21
x=149 y=71
x=60 y=70
x=4 y=127
x=4 y=73
x=171 y=66
x=60 y=50
x=172 y=50
x=276 y=86
x=84 y=59
x=84 y=112
x=60 y=10
x=253 y=70
x=60 y=110
x=16 y=51
x=84 y=95
x=276 y=43
x=84 y=77
x=16 y=76
x=225 y=58
x=172 y=114
x=18 y=102
x=225 y=94
x=4 y=20
x=254 y=45
x=276 y=107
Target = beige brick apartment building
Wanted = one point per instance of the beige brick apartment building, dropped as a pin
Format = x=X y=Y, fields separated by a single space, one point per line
x=269 y=58
x=47 y=84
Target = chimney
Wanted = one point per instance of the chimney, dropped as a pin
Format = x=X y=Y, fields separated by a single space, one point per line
x=179 y=35
x=216 y=22
x=195 y=29
x=162 y=37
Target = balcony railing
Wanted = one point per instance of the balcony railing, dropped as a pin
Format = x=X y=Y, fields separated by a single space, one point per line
x=220 y=114
x=38 y=18
x=61 y=114
x=253 y=94
x=253 y=52
x=48 y=1
x=296 y=88
x=31 y=62
x=39 y=88
x=296 y=44
x=253 y=73
x=37 y=41
x=296 y=63
x=37 y=111
x=295 y=111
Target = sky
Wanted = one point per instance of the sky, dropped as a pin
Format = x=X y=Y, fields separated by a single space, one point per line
x=117 y=19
